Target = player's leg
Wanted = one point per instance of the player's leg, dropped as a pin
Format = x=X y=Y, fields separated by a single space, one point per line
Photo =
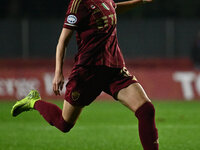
x=80 y=91
x=135 y=98
x=71 y=113
x=64 y=119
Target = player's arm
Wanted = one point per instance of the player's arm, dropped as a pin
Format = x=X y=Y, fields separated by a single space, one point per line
x=63 y=41
x=128 y=5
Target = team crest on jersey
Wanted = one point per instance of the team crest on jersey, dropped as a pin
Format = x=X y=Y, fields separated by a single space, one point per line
x=75 y=95
x=71 y=19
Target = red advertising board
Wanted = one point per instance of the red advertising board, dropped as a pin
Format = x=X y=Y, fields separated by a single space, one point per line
x=18 y=77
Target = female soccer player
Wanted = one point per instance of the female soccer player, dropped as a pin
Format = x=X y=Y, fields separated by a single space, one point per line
x=99 y=66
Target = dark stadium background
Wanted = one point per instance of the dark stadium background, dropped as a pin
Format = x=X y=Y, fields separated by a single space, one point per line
x=160 y=42
x=161 y=45
x=164 y=29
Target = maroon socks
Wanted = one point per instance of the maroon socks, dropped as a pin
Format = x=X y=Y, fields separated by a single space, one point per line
x=145 y=114
x=147 y=128
x=53 y=115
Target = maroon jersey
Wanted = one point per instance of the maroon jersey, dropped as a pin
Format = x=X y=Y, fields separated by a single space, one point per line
x=95 y=24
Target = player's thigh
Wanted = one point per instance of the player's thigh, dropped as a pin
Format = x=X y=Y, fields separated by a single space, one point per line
x=71 y=113
x=133 y=96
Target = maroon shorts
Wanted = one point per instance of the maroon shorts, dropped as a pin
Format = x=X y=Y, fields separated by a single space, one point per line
x=86 y=83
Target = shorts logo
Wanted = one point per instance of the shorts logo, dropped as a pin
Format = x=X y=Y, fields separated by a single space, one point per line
x=71 y=19
x=125 y=72
x=75 y=95
x=134 y=78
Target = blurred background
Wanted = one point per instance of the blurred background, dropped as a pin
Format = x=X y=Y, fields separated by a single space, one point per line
x=160 y=41
x=161 y=45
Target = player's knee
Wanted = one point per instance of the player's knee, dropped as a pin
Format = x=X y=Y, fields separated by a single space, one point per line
x=147 y=110
x=67 y=127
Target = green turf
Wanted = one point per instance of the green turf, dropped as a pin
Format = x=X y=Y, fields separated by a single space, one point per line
x=102 y=126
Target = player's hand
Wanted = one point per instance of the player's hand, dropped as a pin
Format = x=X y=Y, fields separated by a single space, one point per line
x=58 y=82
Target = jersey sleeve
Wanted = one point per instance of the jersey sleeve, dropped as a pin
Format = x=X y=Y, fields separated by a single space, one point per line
x=73 y=15
x=113 y=4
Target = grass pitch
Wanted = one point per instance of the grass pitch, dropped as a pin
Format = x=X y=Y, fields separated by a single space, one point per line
x=102 y=126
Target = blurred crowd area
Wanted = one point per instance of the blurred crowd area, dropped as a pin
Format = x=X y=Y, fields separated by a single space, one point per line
x=160 y=42
x=161 y=29
x=56 y=8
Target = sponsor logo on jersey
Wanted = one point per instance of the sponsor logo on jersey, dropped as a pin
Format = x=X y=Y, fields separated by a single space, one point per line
x=71 y=19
